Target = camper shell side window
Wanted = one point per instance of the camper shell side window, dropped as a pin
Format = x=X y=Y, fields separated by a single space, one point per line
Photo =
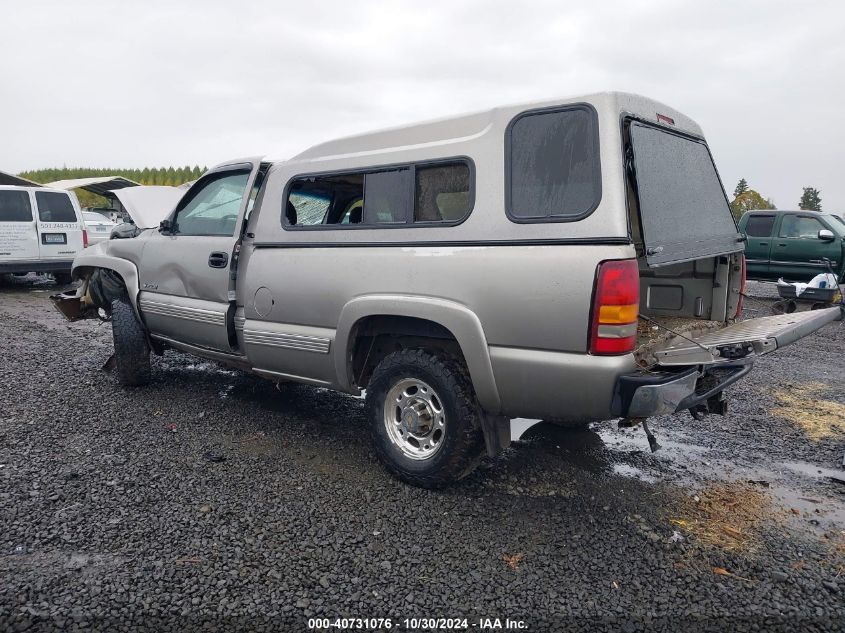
x=552 y=165
x=432 y=193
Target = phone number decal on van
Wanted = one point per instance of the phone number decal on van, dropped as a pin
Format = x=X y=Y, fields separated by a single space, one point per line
x=58 y=226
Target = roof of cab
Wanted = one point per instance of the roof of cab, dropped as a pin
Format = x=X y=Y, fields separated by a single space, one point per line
x=464 y=127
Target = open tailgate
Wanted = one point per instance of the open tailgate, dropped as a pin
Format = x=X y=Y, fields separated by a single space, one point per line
x=746 y=338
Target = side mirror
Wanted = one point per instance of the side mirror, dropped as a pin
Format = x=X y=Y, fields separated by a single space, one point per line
x=166 y=227
x=826 y=235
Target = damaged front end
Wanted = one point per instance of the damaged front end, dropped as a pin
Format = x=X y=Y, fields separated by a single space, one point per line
x=93 y=298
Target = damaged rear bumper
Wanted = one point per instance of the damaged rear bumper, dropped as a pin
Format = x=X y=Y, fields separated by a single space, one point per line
x=642 y=395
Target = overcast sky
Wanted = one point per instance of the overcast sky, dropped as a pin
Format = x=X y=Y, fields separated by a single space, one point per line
x=154 y=84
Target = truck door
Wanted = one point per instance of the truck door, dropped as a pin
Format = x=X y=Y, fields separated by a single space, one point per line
x=758 y=228
x=797 y=250
x=186 y=273
x=18 y=236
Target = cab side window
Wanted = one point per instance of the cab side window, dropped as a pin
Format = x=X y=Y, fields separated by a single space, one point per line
x=760 y=225
x=54 y=207
x=212 y=207
x=800 y=226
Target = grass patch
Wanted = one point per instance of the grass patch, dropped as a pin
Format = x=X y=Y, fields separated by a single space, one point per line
x=727 y=515
x=804 y=407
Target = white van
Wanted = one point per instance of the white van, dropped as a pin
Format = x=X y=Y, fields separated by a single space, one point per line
x=41 y=230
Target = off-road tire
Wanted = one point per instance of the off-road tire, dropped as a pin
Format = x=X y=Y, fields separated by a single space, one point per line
x=463 y=445
x=131 y=350
x=62 y=279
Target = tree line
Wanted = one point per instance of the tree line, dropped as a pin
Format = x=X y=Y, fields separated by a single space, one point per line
x=747 y=199
x=170 y=176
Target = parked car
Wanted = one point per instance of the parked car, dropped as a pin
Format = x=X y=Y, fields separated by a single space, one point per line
x=463 y=272
x=114 y=215
x=792 y=244
x=41 y=230
x=99 y=227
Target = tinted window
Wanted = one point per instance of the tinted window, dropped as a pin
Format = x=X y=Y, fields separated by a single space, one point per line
x=800 y=226
x=759 y=225
x=54 y=207
x=683 y=208
x=212 y=206
x=442 y=193
x=14 y=206
x=386 y=197
x=553 y=165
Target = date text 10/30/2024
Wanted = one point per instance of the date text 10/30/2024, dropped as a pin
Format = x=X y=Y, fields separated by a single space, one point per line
x=415 y=624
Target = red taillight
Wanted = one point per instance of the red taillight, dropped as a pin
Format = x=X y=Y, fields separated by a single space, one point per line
x=615 y=307
x=742 y=289
x=84 y=238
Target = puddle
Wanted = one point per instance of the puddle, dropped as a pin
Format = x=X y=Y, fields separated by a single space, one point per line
x=814 y=471
x=794 y=487
x=209 y=368
x=672 y=448
x=626 y=470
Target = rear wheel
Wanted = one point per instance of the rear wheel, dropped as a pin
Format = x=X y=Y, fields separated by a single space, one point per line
x=131 y=350
x=425 y=421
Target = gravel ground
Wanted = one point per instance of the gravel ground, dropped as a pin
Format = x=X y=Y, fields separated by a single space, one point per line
x=215 y=500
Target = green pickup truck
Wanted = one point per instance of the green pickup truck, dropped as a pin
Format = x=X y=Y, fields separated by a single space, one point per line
x=792 y=244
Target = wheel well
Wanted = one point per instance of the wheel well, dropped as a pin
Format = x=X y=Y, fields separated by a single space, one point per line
x=374 y=337
x=104 y=285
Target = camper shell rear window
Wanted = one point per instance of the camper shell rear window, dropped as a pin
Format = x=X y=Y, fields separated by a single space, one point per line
x=552 y=165
x=684 y=212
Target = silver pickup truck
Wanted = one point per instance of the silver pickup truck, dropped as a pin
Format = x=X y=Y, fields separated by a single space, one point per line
x=573 y=260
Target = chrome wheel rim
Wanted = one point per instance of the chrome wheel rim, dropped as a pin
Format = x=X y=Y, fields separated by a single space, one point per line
x=414 y=418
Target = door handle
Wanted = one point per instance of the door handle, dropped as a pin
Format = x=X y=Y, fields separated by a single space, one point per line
x=764 y=243
x=218 y=260
x=781 y=244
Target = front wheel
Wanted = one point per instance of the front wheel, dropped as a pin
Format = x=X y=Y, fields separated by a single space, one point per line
x=425 y=421
x=131 y=350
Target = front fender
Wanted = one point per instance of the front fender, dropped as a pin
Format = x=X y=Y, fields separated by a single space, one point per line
x=97 y=257
x=458 y=319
